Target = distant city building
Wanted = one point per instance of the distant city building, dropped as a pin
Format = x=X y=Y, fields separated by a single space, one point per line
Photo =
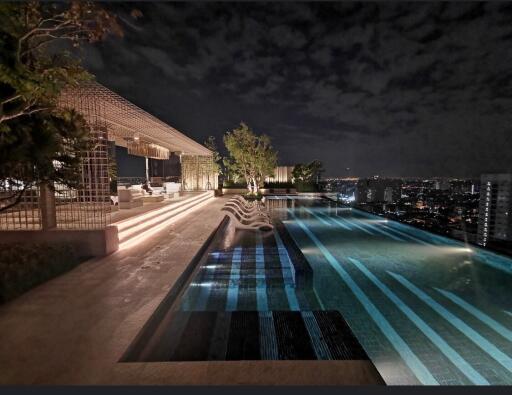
x=475 y=187
x=389 y=195
x=371 y=190
x=495 y=208
x=372 y=195
x=442 y=185
x=462 y=186
x=281 y=174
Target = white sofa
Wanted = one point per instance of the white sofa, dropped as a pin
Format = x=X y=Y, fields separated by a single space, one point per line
x=171 y=189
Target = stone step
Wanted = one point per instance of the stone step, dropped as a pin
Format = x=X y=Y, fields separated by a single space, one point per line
x=155 y=219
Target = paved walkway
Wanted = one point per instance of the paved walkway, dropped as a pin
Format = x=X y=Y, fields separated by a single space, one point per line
x=121 y=215
x=73 y=329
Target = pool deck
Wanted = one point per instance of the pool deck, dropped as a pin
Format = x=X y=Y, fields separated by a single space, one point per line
x=74 y=328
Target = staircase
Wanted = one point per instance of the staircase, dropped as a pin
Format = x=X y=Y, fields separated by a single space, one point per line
x=135 y=230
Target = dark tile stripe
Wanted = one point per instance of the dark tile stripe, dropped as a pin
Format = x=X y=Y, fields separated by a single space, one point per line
x=317 y=339
x=338 y=336
x=292 y=336
x=268 y=341
x=220 y=336
x=244 y=337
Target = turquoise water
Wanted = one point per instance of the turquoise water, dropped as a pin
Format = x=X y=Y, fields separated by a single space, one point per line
x=425 y=308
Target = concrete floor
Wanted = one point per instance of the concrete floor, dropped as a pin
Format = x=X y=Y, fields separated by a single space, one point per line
x=74 y=328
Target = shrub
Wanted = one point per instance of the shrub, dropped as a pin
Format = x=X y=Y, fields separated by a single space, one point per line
x=234 y=185
x=23 y=266
x=307 y=187
x=253 y=196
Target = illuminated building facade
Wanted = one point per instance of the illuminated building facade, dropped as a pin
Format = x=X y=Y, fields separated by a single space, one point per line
x=495 y=209
x=281 y=174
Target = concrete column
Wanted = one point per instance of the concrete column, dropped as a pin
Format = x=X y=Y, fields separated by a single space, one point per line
x=47 y=207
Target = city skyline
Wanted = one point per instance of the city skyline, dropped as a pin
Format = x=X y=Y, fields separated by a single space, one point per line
x=395 y=89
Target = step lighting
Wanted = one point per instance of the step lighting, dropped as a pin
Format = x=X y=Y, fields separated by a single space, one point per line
x=155 y=229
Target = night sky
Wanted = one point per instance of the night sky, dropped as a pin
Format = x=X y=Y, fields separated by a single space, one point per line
x=395 y=89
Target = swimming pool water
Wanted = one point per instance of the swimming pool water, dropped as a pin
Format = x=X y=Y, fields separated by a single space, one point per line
x=331 y=282
x=425 y=308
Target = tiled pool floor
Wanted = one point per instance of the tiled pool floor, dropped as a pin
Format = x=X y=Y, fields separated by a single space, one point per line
x=252 y=300
x=334 y=283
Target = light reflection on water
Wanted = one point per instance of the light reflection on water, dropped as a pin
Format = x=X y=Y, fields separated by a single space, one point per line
x=360 y=261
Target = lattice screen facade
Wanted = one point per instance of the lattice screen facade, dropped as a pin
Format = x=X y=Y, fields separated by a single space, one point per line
x=198 y=173
x=89 y=206
x=111 y=118
x=23 y=216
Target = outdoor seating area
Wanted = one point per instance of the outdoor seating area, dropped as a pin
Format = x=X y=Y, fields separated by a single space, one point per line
x=136 y=163
x=130 y=196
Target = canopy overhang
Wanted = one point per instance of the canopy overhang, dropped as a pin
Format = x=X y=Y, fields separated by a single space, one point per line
x=127 y=123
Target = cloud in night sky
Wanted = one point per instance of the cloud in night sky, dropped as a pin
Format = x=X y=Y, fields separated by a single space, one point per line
x=396 y=89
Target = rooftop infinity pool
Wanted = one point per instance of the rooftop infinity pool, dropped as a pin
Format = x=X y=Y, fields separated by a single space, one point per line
x=332 y=282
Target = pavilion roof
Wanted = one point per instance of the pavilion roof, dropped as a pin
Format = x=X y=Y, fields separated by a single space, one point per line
x=125 y=121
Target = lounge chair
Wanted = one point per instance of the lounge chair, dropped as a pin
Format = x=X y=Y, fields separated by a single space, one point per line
x=247 y=217
x=242 y=200
x=244 y=203
x=245 y=210
x=241 y=223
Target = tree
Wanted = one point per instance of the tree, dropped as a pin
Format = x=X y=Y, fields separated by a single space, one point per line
x=232 y=171
x=300 y=172
x=39 y=142
x=251 y=156
x=34 y=67
x=43 y=149
x=316 y=169
x=265 y=161
x=211 y=144
x=215 y=165
x=307 y=175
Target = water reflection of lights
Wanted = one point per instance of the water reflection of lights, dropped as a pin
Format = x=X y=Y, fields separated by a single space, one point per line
x=374 y=221
x=458 y=250
x=207 y=284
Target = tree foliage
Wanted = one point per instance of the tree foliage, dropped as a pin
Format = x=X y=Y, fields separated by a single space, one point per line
x=43 y=149
x=250 y=156
x=35 y=67
x=211 y=144
x=39 y=142
x=308 y=173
